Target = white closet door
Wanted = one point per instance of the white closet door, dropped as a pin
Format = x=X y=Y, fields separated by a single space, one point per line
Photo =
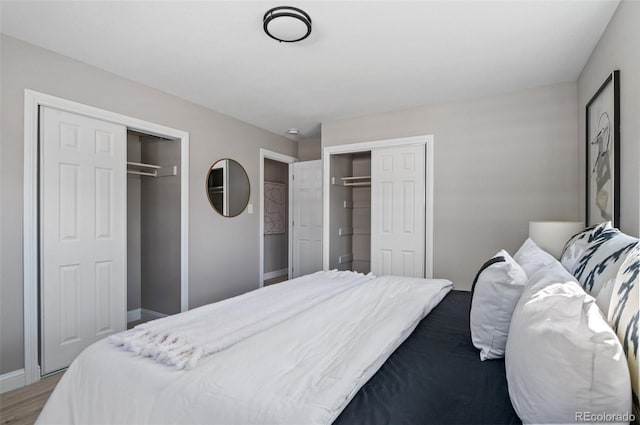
x=307 y=217
x=82 y=235
x=398 y=211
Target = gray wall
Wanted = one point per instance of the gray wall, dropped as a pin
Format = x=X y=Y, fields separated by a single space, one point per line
x=500 y=161
x=216 y=270
x=160 y=229
x=309 y=150
x=276 y=247
x=619 y=48
x=134 y=270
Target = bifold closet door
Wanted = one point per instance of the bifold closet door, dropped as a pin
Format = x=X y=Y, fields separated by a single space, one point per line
x=82 y=234
x=398 y=211
x=306 y=236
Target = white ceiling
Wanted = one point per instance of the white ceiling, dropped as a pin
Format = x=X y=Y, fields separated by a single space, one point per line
x=362 y=57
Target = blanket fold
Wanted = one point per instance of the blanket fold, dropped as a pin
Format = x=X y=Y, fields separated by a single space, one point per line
x=182 y=340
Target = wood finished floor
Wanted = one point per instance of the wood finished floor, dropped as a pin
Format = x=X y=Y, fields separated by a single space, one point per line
x=22 y=406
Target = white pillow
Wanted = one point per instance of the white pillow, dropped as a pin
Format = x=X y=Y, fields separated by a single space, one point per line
x=562 y=357
x=577 y=245
x=496 y=292
x=532 y=258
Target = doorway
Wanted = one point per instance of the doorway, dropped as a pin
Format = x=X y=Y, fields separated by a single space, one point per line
x=275 y=217
x=153 y=227
x=276 y=221
x=400 y=201
x=34 y=104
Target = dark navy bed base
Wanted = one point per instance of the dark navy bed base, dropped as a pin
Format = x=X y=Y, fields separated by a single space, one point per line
x=435 y=377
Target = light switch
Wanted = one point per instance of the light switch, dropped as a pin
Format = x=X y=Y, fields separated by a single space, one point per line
x=250 y=209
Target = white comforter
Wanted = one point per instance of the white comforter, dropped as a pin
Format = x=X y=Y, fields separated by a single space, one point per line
x=303 y=370
x=183 y=339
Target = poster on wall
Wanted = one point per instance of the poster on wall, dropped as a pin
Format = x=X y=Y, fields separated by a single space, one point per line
x=275 y=208
x=603 y=153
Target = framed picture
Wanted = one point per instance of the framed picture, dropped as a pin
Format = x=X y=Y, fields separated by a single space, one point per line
x=275 y=208
x=603 y=153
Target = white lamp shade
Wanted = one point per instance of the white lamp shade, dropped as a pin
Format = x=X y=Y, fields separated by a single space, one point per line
x=553 y=235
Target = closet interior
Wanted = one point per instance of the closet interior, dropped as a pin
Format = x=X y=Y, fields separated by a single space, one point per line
x=350 y=212
x=153 y=227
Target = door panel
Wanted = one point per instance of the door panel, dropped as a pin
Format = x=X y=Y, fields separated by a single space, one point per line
x=307 y=217
x=69 y=303
x=82 y=235
x=68 y=189
x=398 y=211
x=104 y=286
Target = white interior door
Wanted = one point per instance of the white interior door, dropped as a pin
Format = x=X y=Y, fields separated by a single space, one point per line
x=306 y=231
x=82 y=234
x=398 y=211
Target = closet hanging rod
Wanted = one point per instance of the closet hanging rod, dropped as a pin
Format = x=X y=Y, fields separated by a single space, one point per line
x=356 y=178
x=143 y=165
x=142 y=173
x=358 y=184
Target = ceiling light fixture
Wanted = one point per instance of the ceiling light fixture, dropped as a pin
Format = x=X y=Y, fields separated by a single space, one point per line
x=293 y=132
x=287 y=24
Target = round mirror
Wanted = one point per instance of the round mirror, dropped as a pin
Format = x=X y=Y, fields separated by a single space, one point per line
x=228 y=187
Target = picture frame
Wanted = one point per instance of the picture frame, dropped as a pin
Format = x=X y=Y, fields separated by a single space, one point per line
x=602 y=168
x=275 y=208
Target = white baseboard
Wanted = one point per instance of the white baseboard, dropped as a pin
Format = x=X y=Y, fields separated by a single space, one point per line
x=275 y=273
x=150 y=314
x=143 y=313
x=133 y=315
x=11 y=380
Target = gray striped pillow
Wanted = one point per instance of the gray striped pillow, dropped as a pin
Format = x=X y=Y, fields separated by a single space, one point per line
x=602 y=259
x=624 y=312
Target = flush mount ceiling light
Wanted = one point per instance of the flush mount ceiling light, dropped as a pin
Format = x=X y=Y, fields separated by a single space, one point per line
x=287 y=24
x=293 y=132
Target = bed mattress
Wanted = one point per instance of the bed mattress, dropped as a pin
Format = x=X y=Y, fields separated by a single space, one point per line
x=435 y=377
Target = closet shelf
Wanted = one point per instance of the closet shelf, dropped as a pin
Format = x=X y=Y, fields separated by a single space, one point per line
x=143 y=165
x=352 y=181
x=345 y=231
x=356 y=204
x=151 y=170
x=356 y=181
x=347 y=258
x=143 y=173
x=356 y=178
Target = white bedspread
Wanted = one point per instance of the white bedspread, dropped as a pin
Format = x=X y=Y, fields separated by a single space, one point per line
x=303 y=370
x=183 y=339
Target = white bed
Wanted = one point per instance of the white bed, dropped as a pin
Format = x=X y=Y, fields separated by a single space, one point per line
x=304 y=368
